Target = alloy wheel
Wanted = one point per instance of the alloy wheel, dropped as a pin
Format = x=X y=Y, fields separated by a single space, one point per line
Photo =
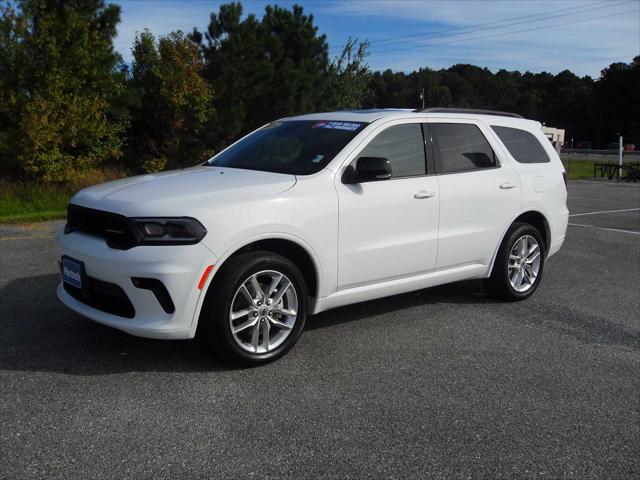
x=263 y=311
x=524 y=263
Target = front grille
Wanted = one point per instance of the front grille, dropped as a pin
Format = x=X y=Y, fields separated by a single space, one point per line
x=115 y=229
x=103 y=296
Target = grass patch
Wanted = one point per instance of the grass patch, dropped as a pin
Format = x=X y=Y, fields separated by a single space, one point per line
x=578 y=168
x=34 y=216
x=32 y=202
x=21 y=202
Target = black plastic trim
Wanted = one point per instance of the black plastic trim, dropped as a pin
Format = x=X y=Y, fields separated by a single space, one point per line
x=429 y=149
x=115 y=229
x=158 y=289
x=104 y=296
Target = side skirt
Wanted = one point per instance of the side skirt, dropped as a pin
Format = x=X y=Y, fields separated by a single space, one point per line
x=398 y=286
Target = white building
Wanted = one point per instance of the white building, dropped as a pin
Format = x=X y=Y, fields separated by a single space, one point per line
x=555 y=136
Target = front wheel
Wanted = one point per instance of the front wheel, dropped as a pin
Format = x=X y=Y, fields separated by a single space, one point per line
x=517 y=270
x=256 y=309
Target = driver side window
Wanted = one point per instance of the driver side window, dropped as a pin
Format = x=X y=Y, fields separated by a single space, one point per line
x=403 y=146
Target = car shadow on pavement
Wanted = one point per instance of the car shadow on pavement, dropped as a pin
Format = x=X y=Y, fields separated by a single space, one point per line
x=37 y=333
x=466 y=292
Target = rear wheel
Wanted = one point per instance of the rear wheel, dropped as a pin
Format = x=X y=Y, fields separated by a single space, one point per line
x=517 y=270
x=256 y=308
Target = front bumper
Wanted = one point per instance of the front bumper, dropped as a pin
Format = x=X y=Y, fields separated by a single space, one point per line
x=178 y=267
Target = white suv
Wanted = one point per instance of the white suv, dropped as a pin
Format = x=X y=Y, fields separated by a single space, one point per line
x=313 y=212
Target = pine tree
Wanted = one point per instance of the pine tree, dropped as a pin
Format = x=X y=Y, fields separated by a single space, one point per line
x=263 y=69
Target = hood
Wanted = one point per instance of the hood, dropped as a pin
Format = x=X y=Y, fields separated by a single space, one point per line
x=181 y=192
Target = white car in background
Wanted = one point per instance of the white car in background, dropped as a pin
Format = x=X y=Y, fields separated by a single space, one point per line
x=312 y=212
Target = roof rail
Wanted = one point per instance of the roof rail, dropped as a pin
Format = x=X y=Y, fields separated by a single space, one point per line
x=467 y=110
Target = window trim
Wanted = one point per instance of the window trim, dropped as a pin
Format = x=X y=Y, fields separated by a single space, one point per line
x=430 y=153
x=436 y=149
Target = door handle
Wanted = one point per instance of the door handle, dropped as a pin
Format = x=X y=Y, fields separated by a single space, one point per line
x=507 y=185
x=423 y=194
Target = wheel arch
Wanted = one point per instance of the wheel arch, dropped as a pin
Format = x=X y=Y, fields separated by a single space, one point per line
x=537 y=220
x=533 y=217
x=292 y=248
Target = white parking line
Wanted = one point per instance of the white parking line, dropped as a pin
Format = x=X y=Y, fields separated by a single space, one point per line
x=605 y=228
x=605 y=211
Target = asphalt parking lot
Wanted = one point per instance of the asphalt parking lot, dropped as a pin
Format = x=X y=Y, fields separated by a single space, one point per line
x=442 y=383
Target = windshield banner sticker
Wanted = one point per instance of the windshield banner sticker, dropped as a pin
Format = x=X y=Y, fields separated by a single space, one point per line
x=348 y=126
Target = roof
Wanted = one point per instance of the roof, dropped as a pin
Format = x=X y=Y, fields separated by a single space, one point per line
x=355 y=115
x=372 y=115
x=474 y=111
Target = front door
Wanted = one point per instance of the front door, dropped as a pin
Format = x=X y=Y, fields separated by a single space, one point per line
x=389 y=228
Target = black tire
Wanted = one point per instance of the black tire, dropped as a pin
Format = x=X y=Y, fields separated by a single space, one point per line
x=498 y=283
x=214 y=323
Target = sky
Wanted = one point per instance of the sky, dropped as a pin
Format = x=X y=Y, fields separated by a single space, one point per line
x=404 y=35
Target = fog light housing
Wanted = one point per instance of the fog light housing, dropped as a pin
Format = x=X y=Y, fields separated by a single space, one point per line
x=158 y=289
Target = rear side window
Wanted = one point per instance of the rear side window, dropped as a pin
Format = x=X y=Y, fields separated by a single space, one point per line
x=461 y=147
x=522 y=145
x=403 y=146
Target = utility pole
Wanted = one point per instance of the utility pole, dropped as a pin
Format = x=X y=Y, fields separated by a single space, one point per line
x=620 y=150
x=422 y=97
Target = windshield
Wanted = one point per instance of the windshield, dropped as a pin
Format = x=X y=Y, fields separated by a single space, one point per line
x=297 y=147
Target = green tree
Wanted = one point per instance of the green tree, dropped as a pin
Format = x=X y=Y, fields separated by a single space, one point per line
x=59 y=82
x=172 y=108
x=435 y=94
x=349 y=77
x=587 y=109
x=617 y=96
x=262 y=69
x=568 y=104
x=391 y=90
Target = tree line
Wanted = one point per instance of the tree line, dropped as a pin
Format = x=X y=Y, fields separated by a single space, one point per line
x=69 y=103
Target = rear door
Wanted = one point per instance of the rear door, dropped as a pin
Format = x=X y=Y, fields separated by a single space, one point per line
x=480 y=193
x=389 y=228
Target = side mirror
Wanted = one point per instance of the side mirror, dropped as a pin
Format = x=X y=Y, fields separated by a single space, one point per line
x=368 y=169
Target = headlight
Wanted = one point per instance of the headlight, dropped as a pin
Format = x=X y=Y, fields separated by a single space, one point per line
x=168 y=231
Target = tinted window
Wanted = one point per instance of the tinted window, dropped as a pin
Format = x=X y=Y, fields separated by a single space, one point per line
x=522 y=145
x=403 y=146
x=461 y=147
x=296 y=147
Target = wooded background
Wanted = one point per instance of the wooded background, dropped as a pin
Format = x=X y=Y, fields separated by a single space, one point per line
x=69 y=104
